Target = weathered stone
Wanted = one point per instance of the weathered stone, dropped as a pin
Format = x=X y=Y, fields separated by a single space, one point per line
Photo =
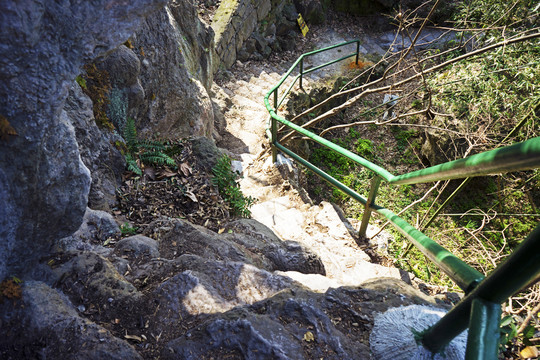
x=234 y=22
x=85 y=275
x=176 y=51
x=285 y=255
x=96 y=228
x=43 y=183
x=250 y=242
x=284 y=326
x=123 y=68
x=122 y=65
x=137 y=246
x=315 y=14
x=196 y=42
x=98 y=153
x=48 y=326
x=432 y=147
x=211 y=286
x=206 y=152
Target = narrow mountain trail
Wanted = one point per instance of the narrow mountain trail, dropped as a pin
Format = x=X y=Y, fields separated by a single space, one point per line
x=282 y=204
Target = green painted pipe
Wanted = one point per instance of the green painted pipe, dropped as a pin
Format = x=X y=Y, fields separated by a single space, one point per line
x=462 y=274
x=383 y=173
x=347 y=190
x=520 y=156
x=483 y=339
x=519 y=270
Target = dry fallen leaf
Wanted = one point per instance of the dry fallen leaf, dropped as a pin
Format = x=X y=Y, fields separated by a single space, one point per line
x=134 y=337
x=150 y=173
x=220 y=231
x=192 y=196
x=166 y=173
x=185 y=168
x=309 y=336
x=6 y=129
x=529 y=352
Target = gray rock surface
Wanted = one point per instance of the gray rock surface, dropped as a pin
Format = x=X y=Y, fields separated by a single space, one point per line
x=43 y=183
x=138 y=246
x=296 y=324
x=96 y=228
x=235 y=21
x=54 y=330
x=176 y=53
x=206 y=152
x=209 y=286
x=87 y=275
x=96 y=146
x=248 y=241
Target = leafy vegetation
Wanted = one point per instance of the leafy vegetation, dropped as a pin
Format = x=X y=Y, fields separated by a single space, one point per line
x=147 y=152
x=451 y=104
x=225 y=179
x=126 y=229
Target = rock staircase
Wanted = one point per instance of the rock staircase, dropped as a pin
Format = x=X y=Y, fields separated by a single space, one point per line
x=282 y=204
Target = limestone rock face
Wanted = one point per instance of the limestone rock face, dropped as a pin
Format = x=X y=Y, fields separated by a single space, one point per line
x=296 y=324
x=54 y=329
x=234 y=22
x=162 y=81
x=97 y=150
x=43 y=183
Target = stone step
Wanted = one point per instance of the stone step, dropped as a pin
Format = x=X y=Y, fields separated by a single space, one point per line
x=247 y=102
x=322 y=228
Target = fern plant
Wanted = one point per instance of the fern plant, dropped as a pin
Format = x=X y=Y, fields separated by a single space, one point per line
x=225 y=179
x=148 y=152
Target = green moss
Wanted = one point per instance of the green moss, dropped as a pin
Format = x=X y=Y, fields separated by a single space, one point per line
x=221 y=19
x=97 y=88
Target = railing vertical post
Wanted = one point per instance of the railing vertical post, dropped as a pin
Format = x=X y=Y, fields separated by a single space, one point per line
x=375 y=182
x=357 y=51
x=274 y=127
x=301 y=71
x=483 y=339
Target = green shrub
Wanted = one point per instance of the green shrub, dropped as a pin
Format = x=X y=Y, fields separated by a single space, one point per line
x=225 y=179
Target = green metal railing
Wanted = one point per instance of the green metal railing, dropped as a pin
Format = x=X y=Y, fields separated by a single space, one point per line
x=480 y=309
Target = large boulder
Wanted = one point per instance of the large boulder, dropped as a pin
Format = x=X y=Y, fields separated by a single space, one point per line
x=162 y=75
x=296 y=324
x=53 y=329
x=43 y=183
x=245 y=240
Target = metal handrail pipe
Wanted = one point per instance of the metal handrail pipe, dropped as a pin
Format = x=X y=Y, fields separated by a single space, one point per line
x=327 y=64
x=517 y=157
x=521 y=156
x=301 y=58
x=383 y=173
x=519 y=270
x=287 y=91
x=462 y=274
x=347 y=190
x=330 y=47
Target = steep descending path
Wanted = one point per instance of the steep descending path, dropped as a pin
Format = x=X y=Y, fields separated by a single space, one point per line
x=282 y=206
